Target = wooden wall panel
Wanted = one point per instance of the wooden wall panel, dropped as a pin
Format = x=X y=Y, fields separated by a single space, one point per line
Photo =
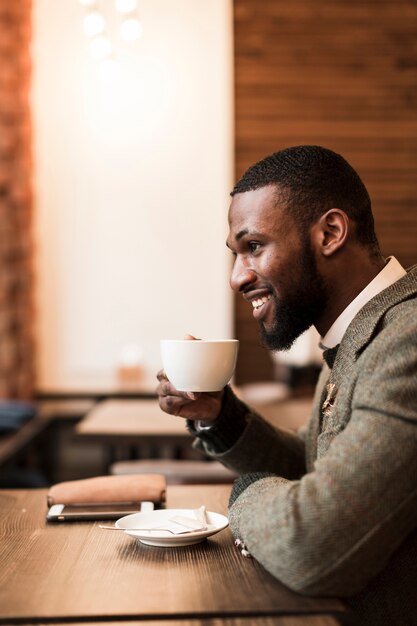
x=338 y=74
x=16 y=272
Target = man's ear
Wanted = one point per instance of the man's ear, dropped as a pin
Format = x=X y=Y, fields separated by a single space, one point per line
x=330 y=233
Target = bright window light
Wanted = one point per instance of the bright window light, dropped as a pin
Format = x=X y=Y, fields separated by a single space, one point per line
x=100 y=47
x=110 y=70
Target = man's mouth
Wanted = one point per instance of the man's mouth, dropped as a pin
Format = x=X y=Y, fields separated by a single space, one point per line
x=259 y=302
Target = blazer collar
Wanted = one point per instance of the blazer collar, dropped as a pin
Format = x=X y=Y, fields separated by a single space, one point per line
x=362 y=327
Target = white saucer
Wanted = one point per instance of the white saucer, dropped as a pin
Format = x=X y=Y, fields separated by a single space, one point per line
x=165 y=539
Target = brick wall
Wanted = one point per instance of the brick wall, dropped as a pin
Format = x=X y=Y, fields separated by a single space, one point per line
x=16 y=309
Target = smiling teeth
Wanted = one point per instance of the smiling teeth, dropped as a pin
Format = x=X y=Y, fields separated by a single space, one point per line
x=260 y=301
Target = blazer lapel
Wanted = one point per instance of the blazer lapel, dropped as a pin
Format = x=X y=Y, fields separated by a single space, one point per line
x=364 y=325
x=358 y=335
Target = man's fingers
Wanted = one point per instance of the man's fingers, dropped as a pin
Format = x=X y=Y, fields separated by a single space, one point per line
x=161 y=375
x=173 y=404
x=186 y=404
x=166 y=389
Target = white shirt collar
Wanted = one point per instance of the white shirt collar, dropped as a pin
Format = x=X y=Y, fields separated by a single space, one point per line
x=392 y=272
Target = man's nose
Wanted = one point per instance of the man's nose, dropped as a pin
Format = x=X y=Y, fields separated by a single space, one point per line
x=242 y=275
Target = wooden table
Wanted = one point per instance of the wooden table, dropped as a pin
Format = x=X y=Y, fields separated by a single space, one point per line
x=130 y=429
x=127 y=421
x=76 y=572
x=293 y=620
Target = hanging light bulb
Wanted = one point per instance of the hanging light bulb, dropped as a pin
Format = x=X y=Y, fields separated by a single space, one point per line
x=125 y=6
x=100 y=47
x=95 y=27
x=131 y=29
x=93 y=23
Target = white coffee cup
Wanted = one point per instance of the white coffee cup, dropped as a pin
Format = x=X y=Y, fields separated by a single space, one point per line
x=199 y=365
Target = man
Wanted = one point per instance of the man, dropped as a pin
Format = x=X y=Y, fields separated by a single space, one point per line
x=331 y=511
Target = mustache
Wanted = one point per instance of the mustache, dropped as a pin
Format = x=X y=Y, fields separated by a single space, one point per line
x=246 y=291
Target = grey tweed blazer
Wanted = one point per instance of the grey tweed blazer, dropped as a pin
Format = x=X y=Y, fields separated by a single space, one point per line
x=340 y=517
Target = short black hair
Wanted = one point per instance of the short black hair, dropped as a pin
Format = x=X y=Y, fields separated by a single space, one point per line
x=313 y=180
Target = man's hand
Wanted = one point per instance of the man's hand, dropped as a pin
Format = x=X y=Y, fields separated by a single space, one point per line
x=193 y=406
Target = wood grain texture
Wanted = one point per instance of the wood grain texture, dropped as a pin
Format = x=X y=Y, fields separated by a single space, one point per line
x=131 y=420
x=338 y=74
x=294 y=620
x=17 y=307
x=77 y=571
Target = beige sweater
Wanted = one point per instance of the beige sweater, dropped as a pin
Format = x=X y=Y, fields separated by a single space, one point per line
x=340 y=517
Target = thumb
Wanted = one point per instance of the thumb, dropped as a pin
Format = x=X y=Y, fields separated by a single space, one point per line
x=191 y=338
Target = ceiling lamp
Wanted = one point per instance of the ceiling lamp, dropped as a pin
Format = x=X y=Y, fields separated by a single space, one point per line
x=131 y=29
x=93 y=23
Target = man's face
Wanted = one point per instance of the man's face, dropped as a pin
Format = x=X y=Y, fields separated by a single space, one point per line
x=275 y=268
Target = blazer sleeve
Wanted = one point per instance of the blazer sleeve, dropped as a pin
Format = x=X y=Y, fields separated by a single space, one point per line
x=243 y=441
x=331 y=531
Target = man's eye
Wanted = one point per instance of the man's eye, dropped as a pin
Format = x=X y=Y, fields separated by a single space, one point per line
x=254 y=246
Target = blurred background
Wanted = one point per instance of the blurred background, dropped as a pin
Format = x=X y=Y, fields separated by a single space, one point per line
x=123 y=126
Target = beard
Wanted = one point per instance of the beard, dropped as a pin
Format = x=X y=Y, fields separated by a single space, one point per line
x=295 y=313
